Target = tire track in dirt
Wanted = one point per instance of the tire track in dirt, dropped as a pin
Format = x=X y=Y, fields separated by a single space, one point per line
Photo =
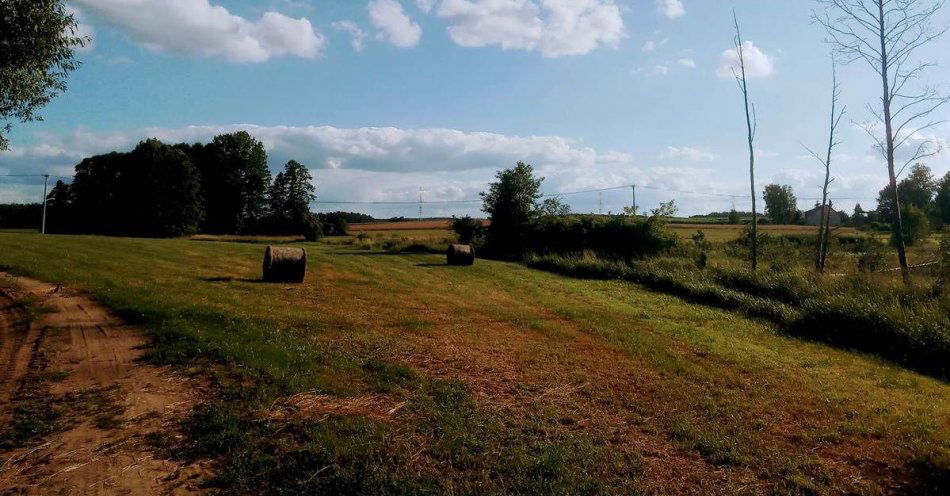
x=107 y=401
x=15 y=333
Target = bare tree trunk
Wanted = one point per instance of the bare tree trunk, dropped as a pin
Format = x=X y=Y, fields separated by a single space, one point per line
x=820 y=249
x=751 y=128
x=886 y=38
x=823 y=226
x=897 y=224
x=826 y=235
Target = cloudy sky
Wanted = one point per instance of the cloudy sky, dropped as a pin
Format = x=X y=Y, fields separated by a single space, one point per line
x=380 y=98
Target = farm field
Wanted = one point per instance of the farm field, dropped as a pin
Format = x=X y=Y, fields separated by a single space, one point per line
x=714 y=232
x=409 y=225
x=394 y=374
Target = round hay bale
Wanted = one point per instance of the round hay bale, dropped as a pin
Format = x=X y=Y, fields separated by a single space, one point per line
x=285 y=264
x=460 y=255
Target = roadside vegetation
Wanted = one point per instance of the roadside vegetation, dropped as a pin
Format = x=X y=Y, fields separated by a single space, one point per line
x=858 y=306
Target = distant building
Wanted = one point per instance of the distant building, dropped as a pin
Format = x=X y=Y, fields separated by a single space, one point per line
x=813 y=216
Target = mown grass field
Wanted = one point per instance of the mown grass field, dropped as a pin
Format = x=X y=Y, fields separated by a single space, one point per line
x=394 y=374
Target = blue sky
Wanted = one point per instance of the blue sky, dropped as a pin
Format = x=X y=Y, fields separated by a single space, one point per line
x=382 y=97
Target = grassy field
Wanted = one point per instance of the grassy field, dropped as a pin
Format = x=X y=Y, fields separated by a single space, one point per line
x=394 y=374
x=714 y=232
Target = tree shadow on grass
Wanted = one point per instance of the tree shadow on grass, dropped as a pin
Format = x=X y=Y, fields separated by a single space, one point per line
x=232 y=279
x=383 y=253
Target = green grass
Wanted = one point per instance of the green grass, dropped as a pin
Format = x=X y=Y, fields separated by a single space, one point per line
x=510 y=380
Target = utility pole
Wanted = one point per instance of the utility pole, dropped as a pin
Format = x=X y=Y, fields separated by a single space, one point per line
x=634 y=204
x=421 y=191
x=600 y=202
x=45 y=185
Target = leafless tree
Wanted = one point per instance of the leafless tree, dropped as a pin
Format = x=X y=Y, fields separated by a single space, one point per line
x=751 y=125
x=886 y=34
x=836 y=115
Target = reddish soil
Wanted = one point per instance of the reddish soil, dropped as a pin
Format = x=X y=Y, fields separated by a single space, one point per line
x=82 y=362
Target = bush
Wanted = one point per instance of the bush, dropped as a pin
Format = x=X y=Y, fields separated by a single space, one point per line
x=872 y=257
x=468 y=230
x=915 y=224
x=944 y=273
x=734 y=217
x=334 y=224
x=313 y=228
x=908 y=326
x=915 y=335
x=615 y=237
x=405 y=245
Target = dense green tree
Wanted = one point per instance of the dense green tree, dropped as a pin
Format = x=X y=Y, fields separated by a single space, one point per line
x=734 y=217
x=235 y=181
x=94 y=188
x=943 y=199
x=290 y=197
x=780 y=204
x=916 y=225
x=292 y=192
x=511 y=203
x=917 y=189
x=152 y=191
x=161 y=189
x=37 y=39
x=859 y=218
x=555 y=206
x=59 y=204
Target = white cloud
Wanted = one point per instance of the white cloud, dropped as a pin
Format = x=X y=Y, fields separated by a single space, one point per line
x=671 y=8
x=757 y=63
x=362 y=164
x=357 y=35
x=689 y=153
x=554 y=27
x=649 y=46
x=687 y=62
x=653 y=70
x=393 y=25
x=196 y=27
x=390 y=164
x=426 y=5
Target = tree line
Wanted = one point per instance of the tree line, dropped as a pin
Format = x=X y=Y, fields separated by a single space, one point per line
x=163 y=190
x=925 y=205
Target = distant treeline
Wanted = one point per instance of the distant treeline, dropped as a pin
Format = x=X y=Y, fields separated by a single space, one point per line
x=21 y=216
x=162 y=190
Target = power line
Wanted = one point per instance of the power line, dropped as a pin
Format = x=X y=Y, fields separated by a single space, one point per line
x=546 y=195
x=35 y=175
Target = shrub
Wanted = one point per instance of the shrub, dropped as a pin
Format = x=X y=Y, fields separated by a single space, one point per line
x=405 y=245
x=945 y=258
x=468 y=230
x=915 y=225
x=908 y=326
x=334 y=224
x=915 y=335
x=616 y=237
x=734 y=217
x=872 y=258
x=313 y=228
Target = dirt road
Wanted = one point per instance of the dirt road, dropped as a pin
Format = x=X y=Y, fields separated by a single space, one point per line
x=76 y=405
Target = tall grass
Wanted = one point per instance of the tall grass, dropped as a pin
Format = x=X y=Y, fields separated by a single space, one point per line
x=910 y=327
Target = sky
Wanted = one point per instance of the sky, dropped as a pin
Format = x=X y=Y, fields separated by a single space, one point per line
x=382 y=98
